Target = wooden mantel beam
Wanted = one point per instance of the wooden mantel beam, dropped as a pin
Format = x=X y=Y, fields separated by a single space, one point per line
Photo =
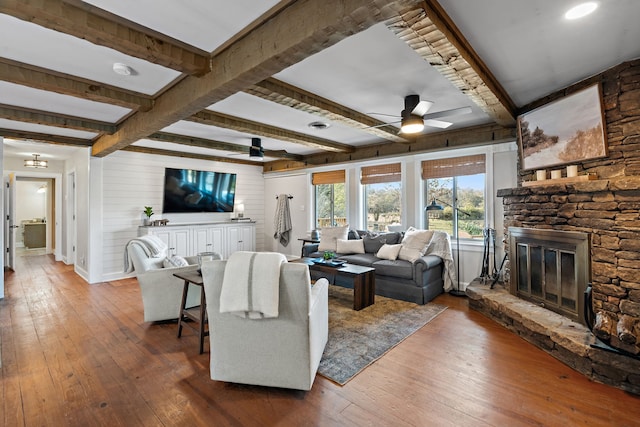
x=102 y=28
x=293 y=33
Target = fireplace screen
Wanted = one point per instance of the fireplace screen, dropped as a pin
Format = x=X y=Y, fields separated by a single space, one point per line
x=552 y=268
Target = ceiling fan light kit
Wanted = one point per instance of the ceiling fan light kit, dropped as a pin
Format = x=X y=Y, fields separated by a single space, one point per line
x=411 y=124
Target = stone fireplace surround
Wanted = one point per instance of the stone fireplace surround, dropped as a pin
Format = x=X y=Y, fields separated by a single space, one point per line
x=609 y=210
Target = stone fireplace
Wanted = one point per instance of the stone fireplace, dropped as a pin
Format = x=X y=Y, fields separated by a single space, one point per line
x=607 y=211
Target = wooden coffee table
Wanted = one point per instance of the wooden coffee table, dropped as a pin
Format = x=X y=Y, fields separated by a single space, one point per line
x=362 y=279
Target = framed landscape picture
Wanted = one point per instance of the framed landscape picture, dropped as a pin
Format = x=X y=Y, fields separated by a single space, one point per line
x=568 y=130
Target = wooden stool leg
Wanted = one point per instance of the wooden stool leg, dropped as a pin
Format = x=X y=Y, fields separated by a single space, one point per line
x=185 y=290
x=203 y=315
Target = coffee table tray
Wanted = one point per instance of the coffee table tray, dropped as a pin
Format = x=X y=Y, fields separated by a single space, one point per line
x=336 y=263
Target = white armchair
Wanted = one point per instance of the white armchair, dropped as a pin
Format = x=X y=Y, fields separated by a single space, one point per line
x=161 y=291
x=276 y=352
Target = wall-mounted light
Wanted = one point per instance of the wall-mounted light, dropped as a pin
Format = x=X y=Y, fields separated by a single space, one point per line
x=35 y=162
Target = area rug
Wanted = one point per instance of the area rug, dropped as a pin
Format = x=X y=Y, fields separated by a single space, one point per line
x=359 y=338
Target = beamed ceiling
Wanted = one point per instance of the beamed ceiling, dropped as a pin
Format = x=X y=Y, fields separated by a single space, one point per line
x=208 y=76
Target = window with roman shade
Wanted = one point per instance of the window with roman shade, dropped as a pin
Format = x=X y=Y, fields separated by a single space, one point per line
x=382 y=195
x=330 y=198
x=457 y=182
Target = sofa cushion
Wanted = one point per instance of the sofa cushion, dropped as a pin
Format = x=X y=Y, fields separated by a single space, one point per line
x=398 y=268
x=175 y=261
x=350 y=246
x=374 y=241
x=353 y=235
x=329 y=237
x=415 y=243
x=389 y=252
x=360 y=259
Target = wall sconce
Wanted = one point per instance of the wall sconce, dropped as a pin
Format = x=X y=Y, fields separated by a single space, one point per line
x=35 y=162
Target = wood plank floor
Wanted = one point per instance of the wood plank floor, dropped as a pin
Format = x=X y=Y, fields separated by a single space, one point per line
x=80 y=355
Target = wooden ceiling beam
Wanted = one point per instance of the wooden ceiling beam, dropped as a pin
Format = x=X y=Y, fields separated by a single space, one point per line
x=467 y=137
x=432 y=34
x=105 y=29
x=28 y=115
x=53 y=81
x=217 y=145
x=226 y=121
x=285 y=94
x=293 y=33
x=42 y=137
x=171 y=153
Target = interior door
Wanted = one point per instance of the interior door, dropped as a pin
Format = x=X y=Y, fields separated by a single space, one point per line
x=11 y=227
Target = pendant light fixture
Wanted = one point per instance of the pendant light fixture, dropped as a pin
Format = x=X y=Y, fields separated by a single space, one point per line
x=35 y=162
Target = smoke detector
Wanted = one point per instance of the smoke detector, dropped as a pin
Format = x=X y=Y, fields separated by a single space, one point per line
x=122 y=69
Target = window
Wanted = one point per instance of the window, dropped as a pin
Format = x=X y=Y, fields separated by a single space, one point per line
x=382 y=195
x=456 y=183
x=330 y=198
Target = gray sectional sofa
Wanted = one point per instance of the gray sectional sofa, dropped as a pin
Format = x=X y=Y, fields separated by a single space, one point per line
x=419 y=281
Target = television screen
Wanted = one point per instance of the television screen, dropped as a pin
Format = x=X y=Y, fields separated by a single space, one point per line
x=187 y=190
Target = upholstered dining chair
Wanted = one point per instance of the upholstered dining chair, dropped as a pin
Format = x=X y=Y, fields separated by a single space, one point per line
x=282 y=351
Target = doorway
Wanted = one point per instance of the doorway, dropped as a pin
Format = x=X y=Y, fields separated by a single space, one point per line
x=36 y=218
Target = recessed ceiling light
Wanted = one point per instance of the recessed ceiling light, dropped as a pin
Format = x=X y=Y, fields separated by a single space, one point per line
x=581 y=10
x=122 y=69
x=318 y=125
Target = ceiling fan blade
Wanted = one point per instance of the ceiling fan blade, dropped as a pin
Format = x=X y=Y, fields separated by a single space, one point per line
x=382 y=114
x=448 y=113
x=413 y=105
x=422 y=108
x=437 y=123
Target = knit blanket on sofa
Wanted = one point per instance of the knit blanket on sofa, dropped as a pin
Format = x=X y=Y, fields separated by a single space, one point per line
x=440 y=246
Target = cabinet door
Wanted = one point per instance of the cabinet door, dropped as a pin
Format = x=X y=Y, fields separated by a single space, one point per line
x=216 y=241
x=181 y=242
x=233 y=234
x=241 y=238
x=164 y=235
x=247 y=238
x=201 y=240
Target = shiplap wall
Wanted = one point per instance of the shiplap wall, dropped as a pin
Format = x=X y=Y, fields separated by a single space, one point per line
x=131 y=181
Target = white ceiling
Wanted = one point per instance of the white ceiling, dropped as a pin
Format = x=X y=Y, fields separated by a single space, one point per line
x=527 y=45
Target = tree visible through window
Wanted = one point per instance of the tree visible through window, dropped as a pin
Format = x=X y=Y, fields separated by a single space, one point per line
x=457 y=182
x=383 y=195
x=330 y=198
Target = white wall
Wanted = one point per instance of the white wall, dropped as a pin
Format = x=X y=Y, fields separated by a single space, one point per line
x=299 y=186
x=125 y=182
x=501 y=166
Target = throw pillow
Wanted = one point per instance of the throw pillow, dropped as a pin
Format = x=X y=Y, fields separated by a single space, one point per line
x=329 y=238
x=175 y=261
x=415 y=243
x=374 y=241
x=389 y=252
x=350 y=246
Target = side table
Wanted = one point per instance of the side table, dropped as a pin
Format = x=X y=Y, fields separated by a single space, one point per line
x=199 y=313
x=304 y=242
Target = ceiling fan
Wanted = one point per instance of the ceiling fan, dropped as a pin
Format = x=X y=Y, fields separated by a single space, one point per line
x=414 y=117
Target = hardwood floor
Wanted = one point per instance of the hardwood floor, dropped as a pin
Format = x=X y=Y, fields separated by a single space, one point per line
x=80 y=355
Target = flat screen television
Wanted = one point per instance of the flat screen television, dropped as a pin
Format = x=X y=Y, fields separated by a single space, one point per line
x=187 y=190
